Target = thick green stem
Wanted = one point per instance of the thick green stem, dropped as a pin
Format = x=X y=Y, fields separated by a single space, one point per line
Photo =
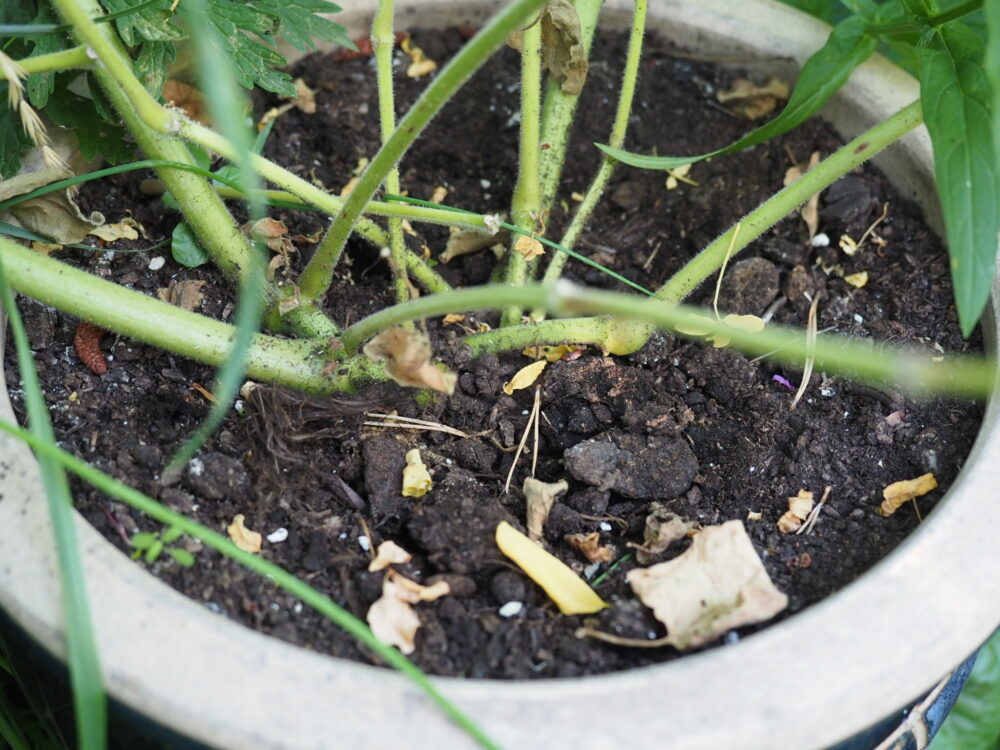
x=526 y=204
x=294 y=363
x=558 y=110
x=66 y=59
x=383 y=40
x=617 y=140
x=317 y=276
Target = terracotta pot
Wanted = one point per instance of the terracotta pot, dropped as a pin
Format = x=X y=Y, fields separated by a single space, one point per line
x=810 y=681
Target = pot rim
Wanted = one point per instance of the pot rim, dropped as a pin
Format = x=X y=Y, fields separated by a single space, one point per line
x=862 y=652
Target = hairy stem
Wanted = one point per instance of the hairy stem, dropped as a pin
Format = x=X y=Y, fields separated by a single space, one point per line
x=382 y=43
x=318 y=273
x=527 y=201
x=616 y=139
x=66 y=59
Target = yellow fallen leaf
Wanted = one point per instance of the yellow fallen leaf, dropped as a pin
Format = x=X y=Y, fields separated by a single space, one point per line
x=753 y=101
x=126 y=229
x=550 y=353
x=389 y=553
x=663 y=528
x=452 y=318
x=753 y=515
x=717 y=584
x=749 y=323
x=45 y=248
x=421 y=65
x=590 y=547
x=898 y=493
x=406 y=354
x=799 y=508
x=416 y=479
x=524 y=377
x=679 y=175
x=244 y=538
x=465 y=241
x=858 y=279
x=439 y=194
x=540 y=497
x=529 y=247
x=570 y=593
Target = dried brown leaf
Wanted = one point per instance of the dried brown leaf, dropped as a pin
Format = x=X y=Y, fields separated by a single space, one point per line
x=464 y=242
x=244 y=538
x=126 y=229
x=752 y=101
x=799 y=508
x=563 y=54
x=718 y=584
x=185 y=294
x=898 y=493
x=529 y=247
x=388 y=553
x=540 y=497
x=391 y=618
x=406 y=354
x=590 y=547
x=663 y=528
x=187 y=98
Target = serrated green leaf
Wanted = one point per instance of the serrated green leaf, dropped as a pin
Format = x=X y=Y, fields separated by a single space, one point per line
x=93 y=134
x=974 y=722
x=40 y=85
x=185 y=248
x=172 y=534
x=826 y=71
x=919 y=10
x=181 y=556
x=245 y=17
x=143 y=540
x=957 y=105
x=13 y=140
x=150 y=23
x=151 y=64
x=301 y=26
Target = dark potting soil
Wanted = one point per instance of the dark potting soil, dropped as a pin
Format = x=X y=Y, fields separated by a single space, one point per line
x=310 y=467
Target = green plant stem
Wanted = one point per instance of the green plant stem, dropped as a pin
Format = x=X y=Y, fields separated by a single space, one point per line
x=558 y=110
x=294 y=363
x=526 y=205
x=267 y=570
x=67 y=59
x=616 y=140
x=90 y=703
x=383 y=41
x=316 y=277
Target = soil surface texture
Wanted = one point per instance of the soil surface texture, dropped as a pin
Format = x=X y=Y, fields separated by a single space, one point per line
x=705 y=433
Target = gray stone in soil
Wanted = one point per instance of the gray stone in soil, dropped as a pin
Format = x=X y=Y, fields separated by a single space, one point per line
x=640 y=467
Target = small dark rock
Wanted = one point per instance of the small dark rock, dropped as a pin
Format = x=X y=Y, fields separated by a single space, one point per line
x=508 y=586
x=385 y=458
x=563 y=520
x=749 y=286
x=627 y=195
x=460 y=586
x=216 y=476
x=847 y=200
x=317 y=554
x=589 y=502
x=784 y=251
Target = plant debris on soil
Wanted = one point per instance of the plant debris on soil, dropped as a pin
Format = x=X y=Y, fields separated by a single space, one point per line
x=677 y=428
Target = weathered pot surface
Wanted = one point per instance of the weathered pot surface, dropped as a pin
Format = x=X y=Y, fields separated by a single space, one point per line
x=811 y=681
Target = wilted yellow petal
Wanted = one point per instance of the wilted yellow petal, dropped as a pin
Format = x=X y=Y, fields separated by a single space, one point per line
x=452 y=318
x=750 y=323
x=529 y=247
x=421 y=65
x=848 y=245
x=389 y=553
x=524 y=377
x=416 y=478
x=126 y=229
x=898 y=493
x=244 y=538
x=678 y=175
x=570 y=593
x=857 y=279
x=799 y=508
x=695 y=325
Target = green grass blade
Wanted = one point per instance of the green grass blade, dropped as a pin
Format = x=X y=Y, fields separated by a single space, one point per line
x=84 y=666
x=956 y=101
x=279 y=576
x=826 y=71
x=226 y=103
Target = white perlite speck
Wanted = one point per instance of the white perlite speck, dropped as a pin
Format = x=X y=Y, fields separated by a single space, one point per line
x=511 y=609
x=157 y=263
x=278 y=535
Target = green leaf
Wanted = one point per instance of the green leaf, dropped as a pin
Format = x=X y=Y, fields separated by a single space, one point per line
x=244 y=17
x=41 y=85
x=143 y=540
x=300 y=25
x=13 y=140
x=181 y=556
x=152 y=62
x=992 y=65
x=172 y=535
x=95 y=136
x=150 y=23
x=154 y=550
x=826 y=71
x=956 y=100
x=974 y=722
x=185 y=248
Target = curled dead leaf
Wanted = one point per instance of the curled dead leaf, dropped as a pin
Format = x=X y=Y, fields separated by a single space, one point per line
x=663 y=528
x=185 y=294
x=406 y=354
x=187 y=98
x=388 y=553
x=590 y=547
x=452 y=319
x=244 y=538
x=420 y=64
x=529 y=247
x=524 y=377
x=540 y=497
x=552 y=353
x=799 y=508
x=717 y=584
x=126 y=229
x=858 y=279
x=392 y=620
x=464 y=242
x=563 y=54
x=898 y=493
x=416 y=479
x=305 y=98
x=753 y=101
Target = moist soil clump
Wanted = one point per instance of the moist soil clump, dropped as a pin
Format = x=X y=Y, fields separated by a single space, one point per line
x=704 y=433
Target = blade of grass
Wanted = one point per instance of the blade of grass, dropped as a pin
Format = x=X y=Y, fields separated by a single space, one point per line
x=279 y=576
x=226 y=103
x=81 y=650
